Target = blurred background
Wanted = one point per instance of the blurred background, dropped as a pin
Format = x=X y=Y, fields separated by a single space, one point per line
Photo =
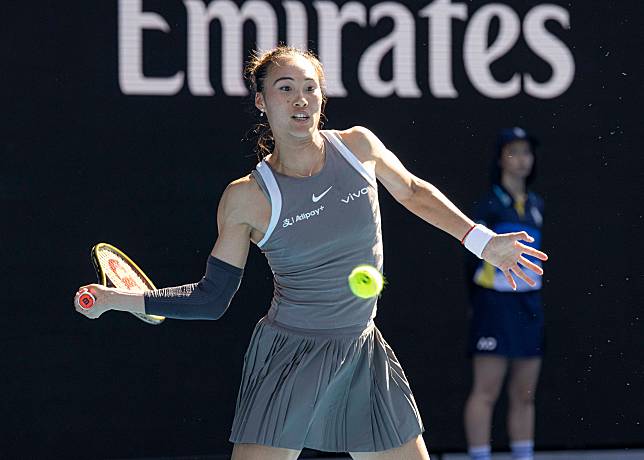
x=125 y=120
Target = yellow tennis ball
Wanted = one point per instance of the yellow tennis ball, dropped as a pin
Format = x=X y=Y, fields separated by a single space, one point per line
x=365 y=281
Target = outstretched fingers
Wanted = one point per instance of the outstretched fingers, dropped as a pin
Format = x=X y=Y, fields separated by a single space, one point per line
x=531 y=251
x=510 y=263
x=532 y=266
x=522 y=236
x=521 y=274
x=509 y=279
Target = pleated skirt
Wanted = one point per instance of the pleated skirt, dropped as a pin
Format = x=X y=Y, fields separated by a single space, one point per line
x=340 y=390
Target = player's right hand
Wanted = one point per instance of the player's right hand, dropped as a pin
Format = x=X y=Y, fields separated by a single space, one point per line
x=101 y=296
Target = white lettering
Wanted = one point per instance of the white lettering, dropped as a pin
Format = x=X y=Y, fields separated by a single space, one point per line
x=304 y=216
x=486 y=344
x=440 y=14
x=478 y=56
x=330 y=23
x=296 y=24
x=401 y=42
x=352 y=196
x=550 y=49
x=232 y=22
x=132 y=21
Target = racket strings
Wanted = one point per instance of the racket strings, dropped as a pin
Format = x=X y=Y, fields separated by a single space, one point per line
x=120 y=273
x=118 y=270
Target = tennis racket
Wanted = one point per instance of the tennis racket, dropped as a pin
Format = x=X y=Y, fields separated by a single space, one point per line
x=115 y=269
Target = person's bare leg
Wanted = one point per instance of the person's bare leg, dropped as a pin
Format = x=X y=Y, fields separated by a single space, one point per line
x=243 y=451
x=414 y=449
x=522 y=385
x=489 y=372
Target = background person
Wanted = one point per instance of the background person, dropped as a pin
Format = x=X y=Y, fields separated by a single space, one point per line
x=506 y=330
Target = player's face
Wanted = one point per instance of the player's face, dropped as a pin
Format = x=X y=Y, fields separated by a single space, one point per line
x=517 y=159
x=292 y=97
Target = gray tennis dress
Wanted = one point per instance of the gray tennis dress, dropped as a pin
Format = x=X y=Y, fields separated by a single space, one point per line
x=317 y=372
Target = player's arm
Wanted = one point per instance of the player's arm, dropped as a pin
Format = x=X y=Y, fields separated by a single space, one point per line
x=427 y=202
x=418 y=196
x=233 y=225
x=210 y=297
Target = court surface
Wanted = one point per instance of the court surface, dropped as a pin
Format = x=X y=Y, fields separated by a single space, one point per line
x=616 y=454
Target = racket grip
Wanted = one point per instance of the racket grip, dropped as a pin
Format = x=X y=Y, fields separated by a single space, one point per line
x=86 y=301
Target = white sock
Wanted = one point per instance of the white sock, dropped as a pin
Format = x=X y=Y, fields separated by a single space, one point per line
x=480 y=452
x=522 y=450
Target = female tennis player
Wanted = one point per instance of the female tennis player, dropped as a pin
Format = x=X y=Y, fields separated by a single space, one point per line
x=317 y=372
x=506 y=330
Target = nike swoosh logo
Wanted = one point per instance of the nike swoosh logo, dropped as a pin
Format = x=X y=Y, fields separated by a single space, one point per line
x=319 y=197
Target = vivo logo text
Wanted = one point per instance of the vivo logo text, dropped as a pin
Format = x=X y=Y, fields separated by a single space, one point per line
x=352 y=196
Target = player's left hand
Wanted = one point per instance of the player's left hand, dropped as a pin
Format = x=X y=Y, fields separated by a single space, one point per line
x=506 y=252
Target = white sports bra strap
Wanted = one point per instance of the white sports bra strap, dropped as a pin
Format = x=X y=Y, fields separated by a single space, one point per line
x=276 y=198
x=348 y=155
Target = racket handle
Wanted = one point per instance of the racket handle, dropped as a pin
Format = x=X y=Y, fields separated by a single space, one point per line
x=86 y=301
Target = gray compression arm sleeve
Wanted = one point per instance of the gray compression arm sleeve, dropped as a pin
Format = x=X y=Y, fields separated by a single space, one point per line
x=207 y=299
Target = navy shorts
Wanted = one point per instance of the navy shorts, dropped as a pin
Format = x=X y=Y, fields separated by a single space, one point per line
x=509 y=324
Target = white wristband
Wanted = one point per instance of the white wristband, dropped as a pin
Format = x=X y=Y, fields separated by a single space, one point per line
x=478 y=238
